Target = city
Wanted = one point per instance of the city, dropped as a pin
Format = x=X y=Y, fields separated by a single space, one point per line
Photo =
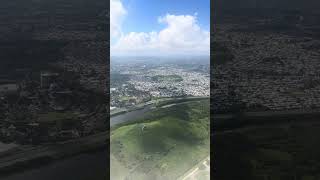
x=144 y=80
x=53 y=86
x=267 y=69
x=265 y=93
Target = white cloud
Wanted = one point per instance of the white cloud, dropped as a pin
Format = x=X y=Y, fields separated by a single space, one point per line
x=117 y=14
x=181 y=36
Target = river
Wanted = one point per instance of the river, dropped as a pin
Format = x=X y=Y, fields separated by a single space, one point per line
x=129 y=116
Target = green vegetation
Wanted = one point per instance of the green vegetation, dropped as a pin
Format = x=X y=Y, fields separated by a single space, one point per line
x=163 y=144
x=168 y=78
x=167 y=101
x=52 y=117
x=126 y=98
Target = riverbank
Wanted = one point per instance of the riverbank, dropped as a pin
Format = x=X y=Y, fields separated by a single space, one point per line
x=30 y=156
x=155 y=102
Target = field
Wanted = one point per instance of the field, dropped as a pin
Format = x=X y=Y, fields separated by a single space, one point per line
x=164 y=144
x=279 y=152
x=168 y=78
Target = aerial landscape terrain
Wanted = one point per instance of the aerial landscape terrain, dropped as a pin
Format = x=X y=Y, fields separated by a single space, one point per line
x=265 y=90
x=53 y=95
x=159 y=90
x=160 y=123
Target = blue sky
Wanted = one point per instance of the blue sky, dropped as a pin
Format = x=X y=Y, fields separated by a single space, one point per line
x=160 y=27
x=143 y=14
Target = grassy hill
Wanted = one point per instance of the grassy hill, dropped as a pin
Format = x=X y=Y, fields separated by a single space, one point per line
x=163 y=144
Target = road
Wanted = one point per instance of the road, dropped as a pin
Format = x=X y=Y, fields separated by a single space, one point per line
x=196 y=170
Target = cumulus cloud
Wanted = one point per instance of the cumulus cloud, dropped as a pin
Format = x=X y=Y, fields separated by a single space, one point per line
x=117 y=14
x=182 y=35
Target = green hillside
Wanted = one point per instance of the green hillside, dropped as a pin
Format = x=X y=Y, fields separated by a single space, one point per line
x=163 y=144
